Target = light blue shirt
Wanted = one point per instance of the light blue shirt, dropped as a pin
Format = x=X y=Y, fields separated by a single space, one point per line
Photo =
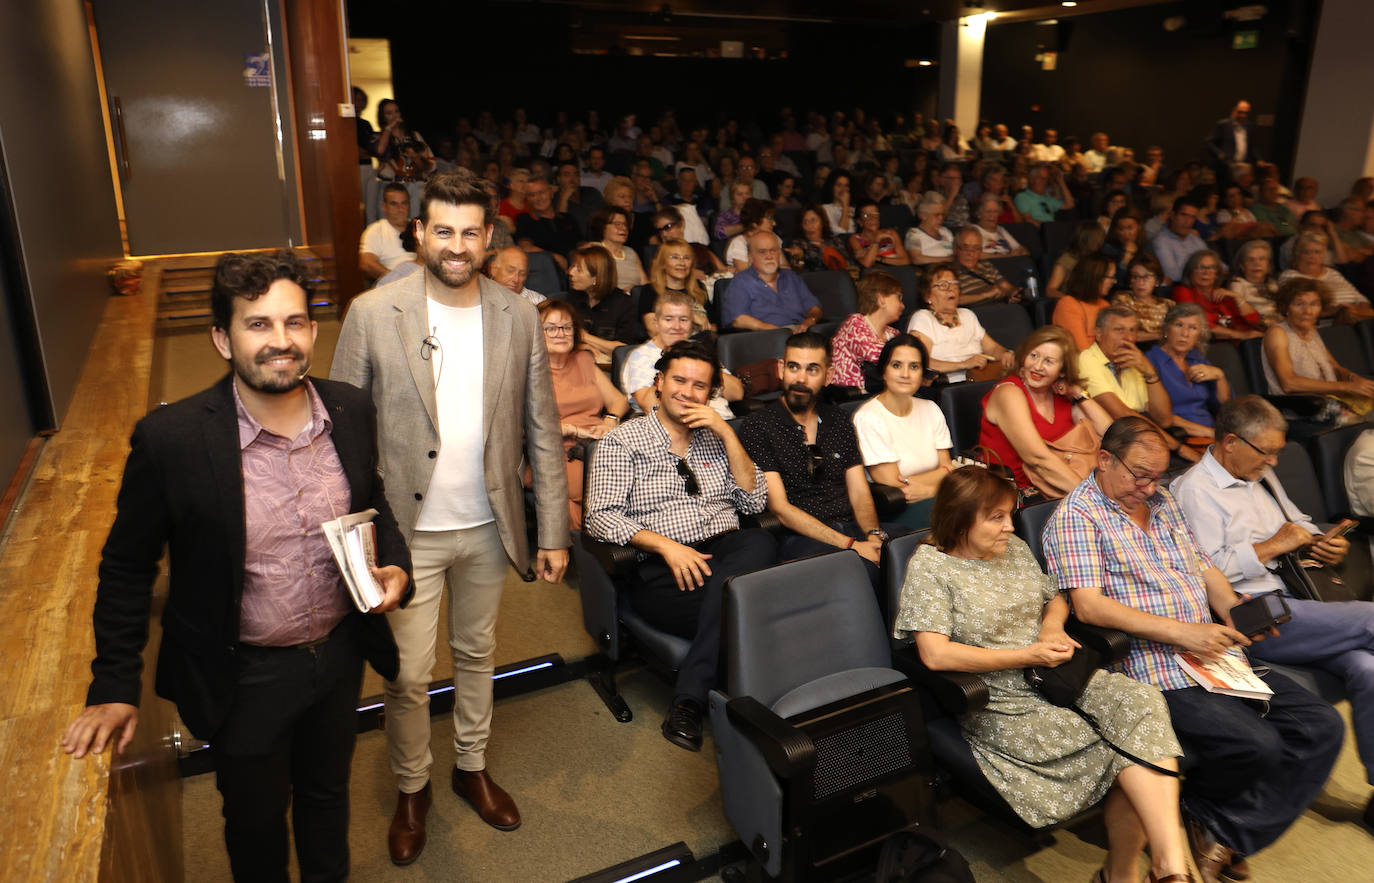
x=1173 y=251
x=1228 y=515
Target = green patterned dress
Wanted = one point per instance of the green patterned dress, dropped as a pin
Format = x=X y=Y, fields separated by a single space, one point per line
x=1044 y=760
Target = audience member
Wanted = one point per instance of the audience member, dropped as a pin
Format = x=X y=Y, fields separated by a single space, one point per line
x=836 y=201
x=979 y=279
x=1235 y=219
x=1297 y=362
x=976 y=600
x=514 y=204
x=511 y=267
x=952 y=147
x=1142 y=297
x=1096 y=158
x=815 y=248
x=955 y=341
x=1244 y=519
x=1049 y=150
x=1085 y=294
x=997 y=242
x=594 y=174
x=1228 y=316
x=1045 y=194
x=1195 y=386
x=1232 y=139
x=930 y=242
x=402 y=154
x=950 y=189
x=692 y=201
x=1338 y=295
x=380 y=249
x=540 y=228
x=672 y=321
x=1259 y=764
x=673 y=269
x=1304 y=198
x=671 y=484
x=1113 y=201
x=1177 y=241
x=1088 y=238
x=589 y=405
x=904 y=440
x=1252 y=278
x=755 y=216
x=1125 y=236
x=860 y=338
x=607 y=313
x=766 y=295
x=1347 y=230
x=809 y=456
x=1270 y=209
x=610 y=228
x=872 y=244
x=728 y=223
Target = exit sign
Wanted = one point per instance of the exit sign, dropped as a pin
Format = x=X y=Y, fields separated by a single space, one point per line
x=1245 y=40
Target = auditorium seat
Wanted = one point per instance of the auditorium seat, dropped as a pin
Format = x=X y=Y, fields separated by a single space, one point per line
x=1028 y=235
x=1344 y=346
x=962 y=405
x=897 y=217
x=1226 y=356
x=618 y=357
x=835 y=291
x=544 y=275
x=1008 y=324
x=1327 y=451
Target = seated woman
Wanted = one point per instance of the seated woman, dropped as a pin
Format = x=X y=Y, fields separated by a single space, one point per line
x=728 y=223
x=975 y=600
x=1229 y=317
x=609 y=227
x=589 y=405
x=668 y=224
x=1085 y=292
x=904 y=440
x=1196 y=387
x=952 y=335
x=930 y=242
x=1039 y=403
x=861 y=336
x=1309 y=262
x=997 y=242
x=754 y=215
x=1112 y=202
x=1252 y=279
x=1088 y=238
x=1143 y=276
x=815 y=247
x=1297 y=362
x=608 y=314
x=873 y=245
x=835 y=199
x=673 y=269
x=952 y=147
x=1234 y=220
x=1125 y=238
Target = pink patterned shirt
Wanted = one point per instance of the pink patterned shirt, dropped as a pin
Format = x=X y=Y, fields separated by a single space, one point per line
x=292 y=591
x=853 y=344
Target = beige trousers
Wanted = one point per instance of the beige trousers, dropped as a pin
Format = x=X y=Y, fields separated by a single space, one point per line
x=472 y=564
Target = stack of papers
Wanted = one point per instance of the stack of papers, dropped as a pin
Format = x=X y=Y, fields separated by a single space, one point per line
x=353 y=539
x=1230 y=675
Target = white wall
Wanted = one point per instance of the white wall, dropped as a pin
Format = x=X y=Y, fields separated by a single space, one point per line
x=961 y=72
x=1336 y=138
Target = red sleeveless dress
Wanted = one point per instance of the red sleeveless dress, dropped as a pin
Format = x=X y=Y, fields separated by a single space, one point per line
x=996 y=440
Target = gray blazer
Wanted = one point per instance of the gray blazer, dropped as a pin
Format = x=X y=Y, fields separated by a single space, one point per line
x=379 y=352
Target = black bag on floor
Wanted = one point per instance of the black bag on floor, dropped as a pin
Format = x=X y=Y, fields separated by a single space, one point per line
x=921 y=856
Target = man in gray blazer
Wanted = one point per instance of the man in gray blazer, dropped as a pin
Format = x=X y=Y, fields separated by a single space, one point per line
x=457 y=368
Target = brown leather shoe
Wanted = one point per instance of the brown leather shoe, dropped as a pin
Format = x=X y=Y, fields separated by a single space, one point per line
x=1210 y=856
x=490 y=800
x=406 y=838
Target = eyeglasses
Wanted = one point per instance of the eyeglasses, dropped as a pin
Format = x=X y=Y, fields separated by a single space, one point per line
x=557 y=330
x=1140 y=482
x=1142 y=277
x=1268 y=455
x=1207 y=268
x=944 y=285
x=665 y=228
x=866 y=215
x=689 y=478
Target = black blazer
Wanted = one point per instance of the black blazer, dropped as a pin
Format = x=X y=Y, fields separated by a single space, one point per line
x=1222 y=142
x=183 y=488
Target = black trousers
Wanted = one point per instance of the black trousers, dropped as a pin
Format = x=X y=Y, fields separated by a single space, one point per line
x=288 y=741
x=696 y=614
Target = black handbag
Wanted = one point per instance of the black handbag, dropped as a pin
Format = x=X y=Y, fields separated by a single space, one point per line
x=1301 y=581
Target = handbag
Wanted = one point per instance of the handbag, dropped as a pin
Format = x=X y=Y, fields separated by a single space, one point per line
x=1300 y=580
x=1078 y=448
x=759 y=377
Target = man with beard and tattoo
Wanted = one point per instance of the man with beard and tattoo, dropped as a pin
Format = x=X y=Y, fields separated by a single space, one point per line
x=672 y=484
x=262 y=649
x=809 y=456
x=457 y=368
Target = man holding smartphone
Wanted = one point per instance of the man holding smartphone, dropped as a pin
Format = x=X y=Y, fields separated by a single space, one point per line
x=1244 y=521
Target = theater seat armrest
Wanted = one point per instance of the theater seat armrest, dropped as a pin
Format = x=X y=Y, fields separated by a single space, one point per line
x=887 y=499
x=957 y=692
x=764 y=520
x=747 y=406
x=615 y=560
x=1111 y=644
x=788 y=751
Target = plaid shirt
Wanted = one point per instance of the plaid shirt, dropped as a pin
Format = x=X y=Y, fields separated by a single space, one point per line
x=635 y=485
x=1091 y=541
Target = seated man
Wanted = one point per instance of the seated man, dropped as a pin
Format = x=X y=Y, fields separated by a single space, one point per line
x=380 y=249
x=1096 y=157
x=1243 y=519
x=1049 y=150
x=1119 y=545
x=765 y=296
x=540 y=228
x=979 y=280
x=1116 y=374
x=511 y=268
x=671 y=484
x=1270 y=209
x=809 y=455
x=673 y=313
x=1304 y=197
x=1044 y=195
x=594 y=174
x=1174 y=244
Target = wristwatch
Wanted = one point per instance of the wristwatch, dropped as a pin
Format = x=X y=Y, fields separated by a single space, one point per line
x=879 y=533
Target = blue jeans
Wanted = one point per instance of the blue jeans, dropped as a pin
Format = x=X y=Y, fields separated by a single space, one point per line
x=1256 y=770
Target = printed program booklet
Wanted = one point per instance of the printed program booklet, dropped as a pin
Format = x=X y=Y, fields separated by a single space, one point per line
x=1230 y=675
x=353 y=539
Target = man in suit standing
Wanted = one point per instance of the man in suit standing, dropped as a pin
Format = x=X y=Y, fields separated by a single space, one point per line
x=1232 y=141
x=457 y=368
x=262 y=648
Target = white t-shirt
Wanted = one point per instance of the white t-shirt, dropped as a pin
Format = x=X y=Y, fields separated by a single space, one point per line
x=457 y=494
x=737 y=250
x=838 y=224
x=384 y=240
x=912 y=442
x=999 y=243
x=639 y=372
x=928 y=246
x=693 y=228
x=950 y=344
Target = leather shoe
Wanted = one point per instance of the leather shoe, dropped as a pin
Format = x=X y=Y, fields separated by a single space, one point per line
x=1238 y=869
x=682 y=726
x=406 y=838
x=1210 y=856
x=490 y=800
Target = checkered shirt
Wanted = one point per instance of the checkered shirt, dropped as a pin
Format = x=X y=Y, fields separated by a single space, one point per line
x=1091 y=541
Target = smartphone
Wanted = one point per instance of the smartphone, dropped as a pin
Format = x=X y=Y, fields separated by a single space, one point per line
x=1257 y=615
x=1339 y=529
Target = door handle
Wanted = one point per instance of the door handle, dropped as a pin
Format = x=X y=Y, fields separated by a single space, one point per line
x=121 y=142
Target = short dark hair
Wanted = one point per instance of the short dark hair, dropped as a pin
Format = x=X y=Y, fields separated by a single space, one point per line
x=248 y=276
x=1184 y=200
x=596 y=225
x=904 y=339
x=808 y=340
x=754 y=210
x=870 y=286
x=691 y=349
x=395 y=187
x=455 y=187
x=965 y=494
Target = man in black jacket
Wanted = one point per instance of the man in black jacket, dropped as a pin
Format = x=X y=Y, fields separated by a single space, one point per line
x=262 y=647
